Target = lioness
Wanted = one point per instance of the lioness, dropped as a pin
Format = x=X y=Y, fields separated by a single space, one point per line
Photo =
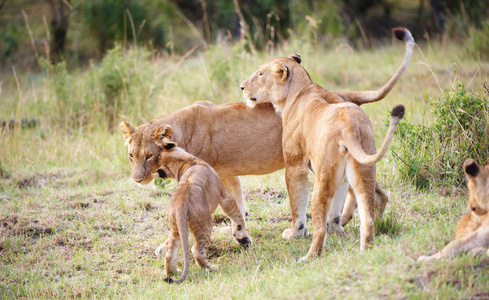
x=220 y=135
x=321 y=132
x=192 y=203
x=472 y=231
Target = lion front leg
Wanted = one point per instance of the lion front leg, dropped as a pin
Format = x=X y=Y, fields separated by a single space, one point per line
x=240 y=234
x=162 y=248
x=298 y=188
x=475 y=239
x=232 y=184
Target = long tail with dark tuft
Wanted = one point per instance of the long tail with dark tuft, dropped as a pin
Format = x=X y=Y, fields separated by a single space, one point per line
x=355 y=148
x=362 y=97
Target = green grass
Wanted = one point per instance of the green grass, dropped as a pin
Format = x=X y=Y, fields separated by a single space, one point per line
x=72 y=224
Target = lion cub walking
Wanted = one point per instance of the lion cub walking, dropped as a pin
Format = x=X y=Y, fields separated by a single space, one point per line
x=472 y=230
x=196 y=197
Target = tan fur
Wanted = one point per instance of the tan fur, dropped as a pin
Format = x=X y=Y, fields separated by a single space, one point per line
x=472 y=232
x=321 y=132
x=192 y=203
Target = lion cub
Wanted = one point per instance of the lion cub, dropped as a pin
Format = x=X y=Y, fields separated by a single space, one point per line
x=192 y=203
x=472 y=230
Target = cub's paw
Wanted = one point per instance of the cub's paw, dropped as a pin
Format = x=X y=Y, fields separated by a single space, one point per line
x=303 y=260
x=162 y=248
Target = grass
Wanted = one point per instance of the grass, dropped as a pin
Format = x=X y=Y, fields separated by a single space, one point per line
x=72 y=224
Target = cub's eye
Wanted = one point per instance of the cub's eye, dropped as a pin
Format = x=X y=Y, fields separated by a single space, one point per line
x=260 y=73
x=149 y=156
x=131 y=155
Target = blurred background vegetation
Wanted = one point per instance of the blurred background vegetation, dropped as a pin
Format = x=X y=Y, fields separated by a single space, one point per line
x=71 y=70
x=76 y=31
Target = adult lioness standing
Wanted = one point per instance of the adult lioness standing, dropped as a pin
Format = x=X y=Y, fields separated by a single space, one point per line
x=323 y=133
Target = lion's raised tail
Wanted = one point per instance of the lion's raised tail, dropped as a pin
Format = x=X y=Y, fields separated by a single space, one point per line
x=362 y=97
x=182 y=224
x=355 y=148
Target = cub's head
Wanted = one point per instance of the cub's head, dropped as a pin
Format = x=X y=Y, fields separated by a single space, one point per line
x=274 y=80
x=478 y=183
x=144 y=147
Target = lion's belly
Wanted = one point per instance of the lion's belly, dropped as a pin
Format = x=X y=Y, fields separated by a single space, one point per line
x=250 y=168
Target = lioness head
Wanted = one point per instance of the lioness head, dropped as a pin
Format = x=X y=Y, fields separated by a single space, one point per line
x=274 y=80
x=143 y=151
x=478 y=183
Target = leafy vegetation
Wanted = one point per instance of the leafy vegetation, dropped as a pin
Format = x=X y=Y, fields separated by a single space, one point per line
x=433 y=155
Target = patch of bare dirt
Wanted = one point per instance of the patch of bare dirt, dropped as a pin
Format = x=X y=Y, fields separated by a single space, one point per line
x=267 y=194
x=218 y=251
x=15 y=225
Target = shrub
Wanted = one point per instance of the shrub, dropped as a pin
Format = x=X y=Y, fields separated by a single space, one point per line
x=433 y=155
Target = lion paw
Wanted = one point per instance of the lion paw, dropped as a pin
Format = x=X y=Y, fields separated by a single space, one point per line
x=162 y=248
x=211 y=268
x=289 y=233
x=477 y=251
x=424 y=258
x=303 y=260
x=335 y=228
x=226 y=230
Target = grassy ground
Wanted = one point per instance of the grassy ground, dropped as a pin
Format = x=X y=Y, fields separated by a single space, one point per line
x=73 y=224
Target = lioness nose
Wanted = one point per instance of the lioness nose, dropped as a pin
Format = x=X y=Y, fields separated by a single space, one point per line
x=242 y=87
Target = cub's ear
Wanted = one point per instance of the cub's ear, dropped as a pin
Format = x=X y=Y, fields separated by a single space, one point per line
x=471 y=168
x=162 y=137
x=281 y=71
x=127 y=130
x=159 y=174
x=297 y=57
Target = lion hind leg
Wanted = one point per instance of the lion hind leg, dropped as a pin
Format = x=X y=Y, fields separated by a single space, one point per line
x=362 y=180
x=322 y=198
x=171 y=256
x=199 y=250
x=349 y=207
x=334 y=215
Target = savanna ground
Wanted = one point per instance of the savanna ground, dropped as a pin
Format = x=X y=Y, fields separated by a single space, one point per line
x=73 y=224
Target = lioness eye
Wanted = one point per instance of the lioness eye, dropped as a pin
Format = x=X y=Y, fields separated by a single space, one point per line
x=149 y=156
x=130 y=155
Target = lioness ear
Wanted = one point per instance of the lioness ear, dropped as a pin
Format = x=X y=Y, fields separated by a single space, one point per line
x=127 y=130
x=282 y=71
x=297 y=57
x=471 y=168
x=162 y=137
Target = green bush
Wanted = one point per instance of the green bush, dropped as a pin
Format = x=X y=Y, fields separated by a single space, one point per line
x=432 y=155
